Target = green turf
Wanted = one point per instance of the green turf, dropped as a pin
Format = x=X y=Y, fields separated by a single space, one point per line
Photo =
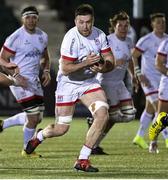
x=125 y=160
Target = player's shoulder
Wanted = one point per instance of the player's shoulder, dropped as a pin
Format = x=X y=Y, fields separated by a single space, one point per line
x=145 y=40
x=98 y=31
x=146 y=37
x=71 y=33
x=41 y=32
x=15 y=35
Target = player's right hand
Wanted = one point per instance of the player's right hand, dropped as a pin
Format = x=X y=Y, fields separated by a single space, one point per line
x=92 y=59
x=20 y=81
x=11 y=65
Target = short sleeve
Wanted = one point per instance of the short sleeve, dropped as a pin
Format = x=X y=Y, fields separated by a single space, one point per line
x=69 y=47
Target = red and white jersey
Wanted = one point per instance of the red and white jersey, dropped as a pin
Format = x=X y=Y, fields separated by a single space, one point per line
x=121 y=50
x=148 y=45
x=76 y=47
x=163 y=50
x=27 y=50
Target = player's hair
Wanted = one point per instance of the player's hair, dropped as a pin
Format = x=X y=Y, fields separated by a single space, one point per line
x=122 y=15
x=156 y=15
x=84 y=9
x=30 y=9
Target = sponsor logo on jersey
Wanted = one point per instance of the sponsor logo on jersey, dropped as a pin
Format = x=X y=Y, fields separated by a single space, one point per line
x=72 y=45
x=34 y=53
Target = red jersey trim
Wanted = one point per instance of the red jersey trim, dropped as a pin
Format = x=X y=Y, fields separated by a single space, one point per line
x=139 y=49
x=9 y=50
x=92 y=90
x=29 y=98
x=162 y=54
x=154 y=92
x=106 y=50
x=163 y=100
x=68 y=58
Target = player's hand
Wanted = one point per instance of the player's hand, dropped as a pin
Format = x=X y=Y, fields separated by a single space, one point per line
x=46 y=78
x=98 y=67
x=19 y=80
x=144 y=80
x=11 y=65
x=92 y=59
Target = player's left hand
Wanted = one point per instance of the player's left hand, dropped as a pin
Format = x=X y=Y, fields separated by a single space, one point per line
x=98 y=67
x=46 y=78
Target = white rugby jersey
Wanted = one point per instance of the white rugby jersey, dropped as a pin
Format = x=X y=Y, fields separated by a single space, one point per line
x=76 y=47
x=121 y=50
x=27 y=50
x=163 y=50
x=148 y=45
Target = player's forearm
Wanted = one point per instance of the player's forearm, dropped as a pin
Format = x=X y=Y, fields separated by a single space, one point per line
x=71 y=67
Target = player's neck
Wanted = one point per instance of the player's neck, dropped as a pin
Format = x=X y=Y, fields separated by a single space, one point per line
x=30 y=31
x=158 y=34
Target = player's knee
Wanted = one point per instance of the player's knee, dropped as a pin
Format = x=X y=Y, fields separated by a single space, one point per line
x=97 y=105
x=35 y=112
x=128 y=113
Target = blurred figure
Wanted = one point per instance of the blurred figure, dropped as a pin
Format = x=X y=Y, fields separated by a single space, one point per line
x=162 y=67
x=26 y=47
x=149 y=77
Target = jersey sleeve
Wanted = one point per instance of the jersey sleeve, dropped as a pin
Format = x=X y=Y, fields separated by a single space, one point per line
x=10 y=44
x=141 y=45
x=104 y=43
x=69 y=47
x=163 y=48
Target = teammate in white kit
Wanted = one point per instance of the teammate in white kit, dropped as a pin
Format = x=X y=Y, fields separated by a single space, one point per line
x=149 y=77
x=81 y=52
x=162 y=119
x=26 y=47
x=119 y=98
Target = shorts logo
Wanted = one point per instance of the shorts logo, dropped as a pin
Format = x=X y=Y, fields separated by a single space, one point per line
x=59 y=98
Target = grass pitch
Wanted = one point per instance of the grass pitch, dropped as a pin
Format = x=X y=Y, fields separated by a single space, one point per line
x=125 y=160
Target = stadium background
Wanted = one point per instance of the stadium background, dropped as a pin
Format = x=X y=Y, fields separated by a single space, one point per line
x=56 y=17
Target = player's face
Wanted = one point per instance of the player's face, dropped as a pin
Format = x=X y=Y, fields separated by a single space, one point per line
x=159 y=25
x=84 y=24
x=30 y=23
x=121 y=29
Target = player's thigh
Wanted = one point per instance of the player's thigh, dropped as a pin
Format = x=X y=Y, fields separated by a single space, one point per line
x=89 y=98
x=162 y=106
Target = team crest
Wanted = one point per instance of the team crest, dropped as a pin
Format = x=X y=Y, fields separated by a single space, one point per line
x=97 y=42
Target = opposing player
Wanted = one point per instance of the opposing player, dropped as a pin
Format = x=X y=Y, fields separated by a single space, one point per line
x=26 y=47
x=81 y=51
x=149 y=77
x=162 y=66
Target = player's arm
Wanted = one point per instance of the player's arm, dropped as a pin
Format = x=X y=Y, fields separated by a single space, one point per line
x=69 y=66
x=14 y=75
x=109 y=62
x=161 y=63
x=106 y=64
x=45 y=64
x=5 y=62
x=136 y=53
